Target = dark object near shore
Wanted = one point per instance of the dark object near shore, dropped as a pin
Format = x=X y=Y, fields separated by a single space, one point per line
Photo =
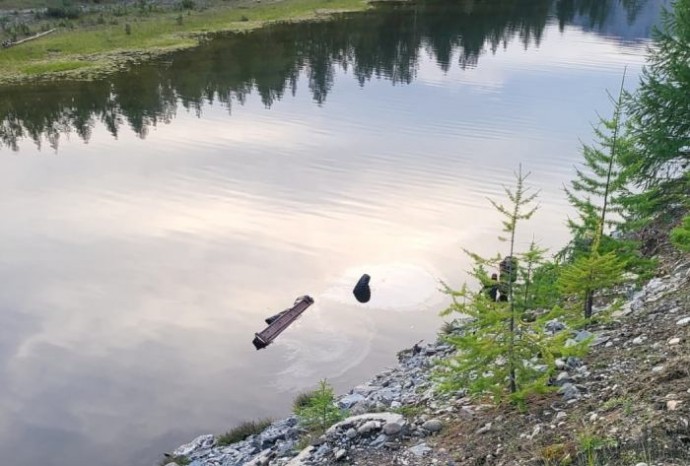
x=508 y=268
x=279 y=322
x=362 y=291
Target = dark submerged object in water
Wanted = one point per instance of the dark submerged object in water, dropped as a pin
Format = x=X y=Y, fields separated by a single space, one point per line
x=279 y=322
x=362 y=291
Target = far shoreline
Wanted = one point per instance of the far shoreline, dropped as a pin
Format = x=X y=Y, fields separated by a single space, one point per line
x=110 y=45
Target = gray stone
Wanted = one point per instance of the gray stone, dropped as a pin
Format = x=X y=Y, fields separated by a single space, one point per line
x=368 y=427
x=683 y=321
x=573 y=362
x=484 y=429
x=419 y=450
x=384 y=417
x=392 y=428
x=554 y=326
x=582 y=335
x=433 y=425
x=351 y=433
x=569 y=391
x=562 y=378
x=202 y=441
x=379 y=441
x=349 y=401
x=322 y=451
x=262 y=459
x=340 y=454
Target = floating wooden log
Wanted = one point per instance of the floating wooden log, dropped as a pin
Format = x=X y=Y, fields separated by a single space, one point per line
x=279 y=322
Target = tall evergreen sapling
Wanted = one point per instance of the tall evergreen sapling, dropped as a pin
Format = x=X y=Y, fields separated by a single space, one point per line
x=660 y=113
x=499 y=353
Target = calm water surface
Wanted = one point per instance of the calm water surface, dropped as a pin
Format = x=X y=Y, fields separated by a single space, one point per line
x=151 y=221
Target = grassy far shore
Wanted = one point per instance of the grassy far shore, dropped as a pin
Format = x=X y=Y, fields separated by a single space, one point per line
x=103 y=40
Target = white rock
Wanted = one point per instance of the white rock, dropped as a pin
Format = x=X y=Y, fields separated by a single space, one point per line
x=419 y=450
x=261 y=459
x=535 y=431
x=672 y=405
x=674 y=341
x=202 y=441
x=484 y=429
x=368 y=426
x=299 y=459
x=683 y=321
x=384 y=417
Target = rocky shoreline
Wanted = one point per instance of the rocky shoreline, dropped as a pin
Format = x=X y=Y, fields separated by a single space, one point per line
x=398 y=418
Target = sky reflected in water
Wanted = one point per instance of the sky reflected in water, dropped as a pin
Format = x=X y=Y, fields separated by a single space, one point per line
x=137 y=267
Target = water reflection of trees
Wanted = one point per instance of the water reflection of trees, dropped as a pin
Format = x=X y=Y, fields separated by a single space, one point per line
x=386 y=43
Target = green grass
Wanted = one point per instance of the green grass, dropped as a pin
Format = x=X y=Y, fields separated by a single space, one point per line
x=100 y=46
x=21 y=4
x=302 y=400
x=179 y=460
x=41 y=68
x=243 y=431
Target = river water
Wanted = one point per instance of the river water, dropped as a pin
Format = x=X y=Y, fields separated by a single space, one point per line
x=151 y=221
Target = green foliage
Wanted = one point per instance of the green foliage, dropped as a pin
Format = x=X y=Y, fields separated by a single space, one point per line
x=302 y=400
x=680 y=236
x=64 y=10
x=544 y=293
x=318 y=411
x=612 y=403
x=590 y=445
x=107 y=46
x=409 y=411
x=180 y=460
x=500 y=354
x=596 y=258
x=556 y=454
x=599 y=185
x=660 y=113
x=589 y=273
x=242 y=431
x=187 y=4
